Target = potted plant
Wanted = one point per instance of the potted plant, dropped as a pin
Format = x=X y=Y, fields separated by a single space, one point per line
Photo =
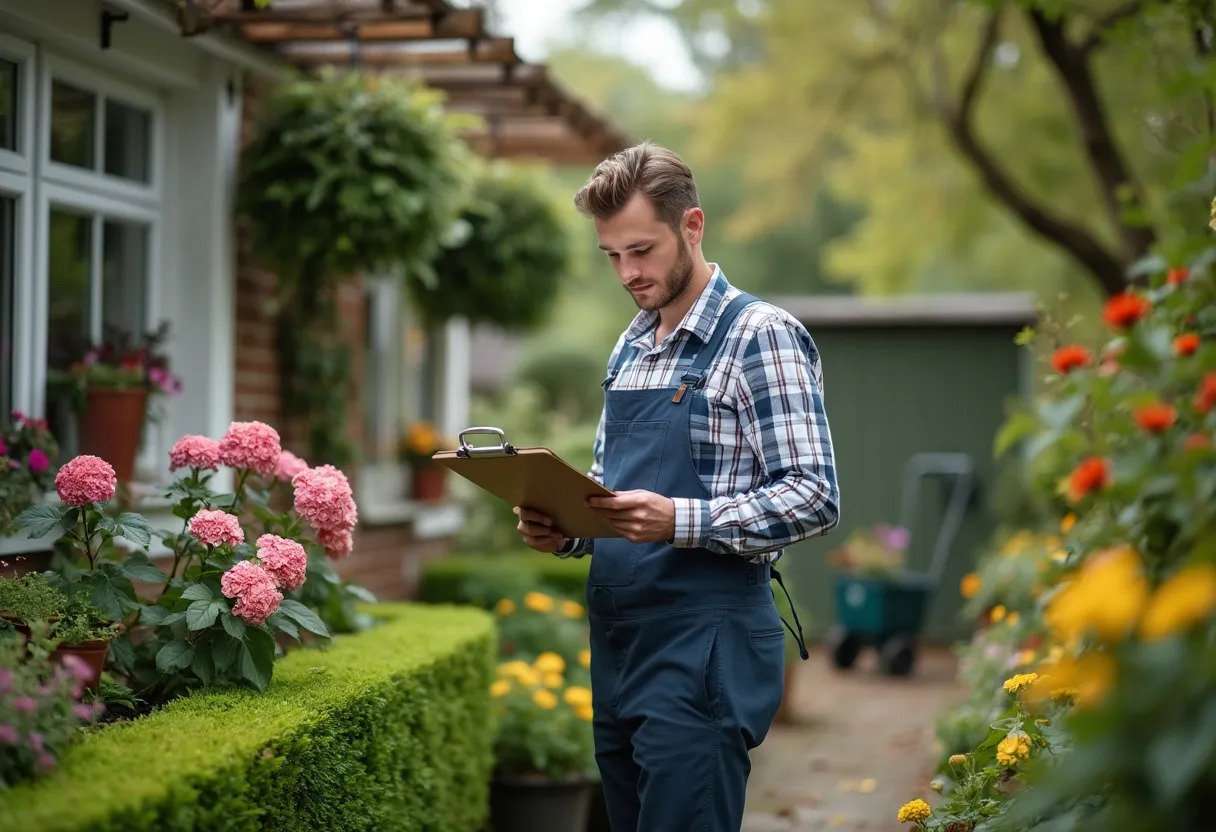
x=115 y=387
x=28 y=452
x=418 y=445
x=31 y=597
x=543 y=749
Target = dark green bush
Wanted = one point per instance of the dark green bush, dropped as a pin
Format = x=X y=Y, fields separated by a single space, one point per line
x=483 y=579
x=388 y=729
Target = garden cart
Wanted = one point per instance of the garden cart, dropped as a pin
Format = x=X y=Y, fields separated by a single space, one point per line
x=888 y=611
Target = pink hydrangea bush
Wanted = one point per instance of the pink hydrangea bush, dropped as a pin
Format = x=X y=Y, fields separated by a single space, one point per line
x=254 y=590
x=86 y=479
x=198 y=452
x=323 y=497
x=284 y=560
x=216 y=528
x=252 y=446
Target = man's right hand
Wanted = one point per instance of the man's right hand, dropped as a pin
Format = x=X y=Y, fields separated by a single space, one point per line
x=537 y=530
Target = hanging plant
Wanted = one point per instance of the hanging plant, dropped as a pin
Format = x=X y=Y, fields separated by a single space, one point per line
x=346 y=174
x=502 y=262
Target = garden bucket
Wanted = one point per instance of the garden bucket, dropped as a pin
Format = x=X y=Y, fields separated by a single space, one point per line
x=530 y=804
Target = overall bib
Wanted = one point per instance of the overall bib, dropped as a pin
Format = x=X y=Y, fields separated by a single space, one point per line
x=687 y=647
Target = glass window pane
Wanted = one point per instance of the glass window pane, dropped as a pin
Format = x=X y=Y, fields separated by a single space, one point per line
x=124 y=269
x=8 y=264
x=128 y=138
x=73 y=127
x=70 y=256
x=8 y=104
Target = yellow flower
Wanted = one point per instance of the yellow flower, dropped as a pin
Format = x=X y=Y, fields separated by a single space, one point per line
x=1084 y=680
x=538 y=602
x=937 y=786
x=500 y=688
x=545 y=699
x=1105 y=597
x=577 y=696
x=957 y=759
x=969 y=586
x=584 y=658
x=1184 y=600
x=514 y=668
x=1013 y=618
x=528 y=678
x=553 y=680
x=505 y=606
x=1067 y=524
x=1059 y=555
x=584 y=713
x=1020 y=682
x=423 y=440
x=1015 y=747
x=549 y=662
x=914 y=811
x=572 y=609
x=997 y=614
x=1025 y=657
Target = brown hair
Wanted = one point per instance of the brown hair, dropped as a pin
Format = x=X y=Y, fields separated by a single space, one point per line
x=654 y=171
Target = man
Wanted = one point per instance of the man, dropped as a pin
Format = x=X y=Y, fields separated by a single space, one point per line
x=715 y=441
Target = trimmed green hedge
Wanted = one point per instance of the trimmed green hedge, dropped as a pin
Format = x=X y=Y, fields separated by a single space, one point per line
x=447 y=580
x=387 y=729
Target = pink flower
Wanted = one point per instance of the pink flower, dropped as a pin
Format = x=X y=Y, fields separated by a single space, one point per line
x=258 y=604
x=25 y=704
x=46 y=762
x=252 y=445
x=193 y=451
x=35 y=741
x=38 y=461
x=77 y=666
x=285 y=560
x=6 y=679
x=242 y=578
x=289 y=465
x=8 y=734
x=216 y=528
x=83 y=711
x=338 y=542
x=323 y=497
x=86 y=479
x=3 y=447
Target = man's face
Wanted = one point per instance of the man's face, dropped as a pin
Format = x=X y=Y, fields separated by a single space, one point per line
x=653 y=262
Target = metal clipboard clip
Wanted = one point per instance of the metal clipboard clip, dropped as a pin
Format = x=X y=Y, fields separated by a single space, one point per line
x=467 y=451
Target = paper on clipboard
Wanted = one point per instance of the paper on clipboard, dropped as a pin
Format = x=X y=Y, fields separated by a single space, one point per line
x=532 y=477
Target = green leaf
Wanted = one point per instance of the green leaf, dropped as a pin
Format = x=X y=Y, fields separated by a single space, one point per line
x=257 y=658
x=153 y=615
x=134 y=528
x=1178 y=756
x=224 y=652
x=203 y=664
x=303 y=616
x=37 y=521
x=139 y=568
x=1017 y=427
x=1061 y=414
x=174 y=656
x=198 y=592
x=279 y=621
x=111 y=593
x=202 y=614
x=233 y=626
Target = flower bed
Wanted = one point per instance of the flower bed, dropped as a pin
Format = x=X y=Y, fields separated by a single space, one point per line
x=383 y=730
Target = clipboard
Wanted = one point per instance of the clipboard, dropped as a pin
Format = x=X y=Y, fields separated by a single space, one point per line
x=532 y=477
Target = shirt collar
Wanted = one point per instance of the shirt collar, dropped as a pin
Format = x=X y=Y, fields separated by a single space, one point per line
x=699 y=320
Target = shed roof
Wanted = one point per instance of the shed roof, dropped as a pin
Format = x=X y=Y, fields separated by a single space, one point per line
x=962 y=309
x=524 y=111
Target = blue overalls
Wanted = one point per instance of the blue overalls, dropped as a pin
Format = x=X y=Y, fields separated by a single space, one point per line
x=687 y=647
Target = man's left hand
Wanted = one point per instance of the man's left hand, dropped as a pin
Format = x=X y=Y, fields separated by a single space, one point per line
x=640 y=516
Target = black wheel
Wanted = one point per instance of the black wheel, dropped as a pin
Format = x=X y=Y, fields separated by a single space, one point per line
x=897 y=655
x=843 y=646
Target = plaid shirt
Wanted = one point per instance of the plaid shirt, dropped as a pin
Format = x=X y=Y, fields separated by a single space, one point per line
x=759 y=432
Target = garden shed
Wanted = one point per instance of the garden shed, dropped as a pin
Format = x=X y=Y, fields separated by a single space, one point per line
x=903 y=376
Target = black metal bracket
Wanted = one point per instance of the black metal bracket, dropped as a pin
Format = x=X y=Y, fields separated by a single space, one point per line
x=108 y=19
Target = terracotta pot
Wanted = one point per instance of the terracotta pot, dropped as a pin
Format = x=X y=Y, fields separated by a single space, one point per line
x=111 y=426
x=93 y=653
x=14 y=566
x=529 y=804
x=427 y=483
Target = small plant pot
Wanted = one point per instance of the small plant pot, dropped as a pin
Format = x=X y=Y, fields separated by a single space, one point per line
x=111 y=426
x=93 y=653
x=531 y=803
x=427 y=483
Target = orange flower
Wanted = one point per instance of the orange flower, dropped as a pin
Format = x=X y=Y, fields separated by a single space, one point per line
x=1124 y=309
x=1093 y=474
x=1156 y=418
x=1196 y=442
x=1070 y=358
x=1206 y=399
x=969 y=586
x=1177 y=276
x=1186 y=344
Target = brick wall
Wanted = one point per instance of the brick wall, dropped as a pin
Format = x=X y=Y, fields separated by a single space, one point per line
x=386 y=558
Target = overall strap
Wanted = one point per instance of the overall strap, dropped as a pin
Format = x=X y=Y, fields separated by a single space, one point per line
x=695 y=374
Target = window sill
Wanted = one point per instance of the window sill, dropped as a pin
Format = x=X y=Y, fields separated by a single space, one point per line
x=429 y=519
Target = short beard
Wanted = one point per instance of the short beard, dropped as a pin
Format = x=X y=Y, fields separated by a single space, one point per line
x=677 y=281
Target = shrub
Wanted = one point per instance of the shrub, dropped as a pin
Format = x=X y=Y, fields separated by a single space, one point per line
x=386 y=729
x=485 y=579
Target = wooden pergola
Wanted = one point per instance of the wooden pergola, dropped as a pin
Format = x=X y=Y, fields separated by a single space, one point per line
x=525 y=112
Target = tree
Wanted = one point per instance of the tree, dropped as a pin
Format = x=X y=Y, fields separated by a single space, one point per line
x=1073 y=118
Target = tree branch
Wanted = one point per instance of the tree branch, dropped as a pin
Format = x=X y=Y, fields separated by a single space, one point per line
x=1108 y=21
x=1097 y=137
x=1076 y=240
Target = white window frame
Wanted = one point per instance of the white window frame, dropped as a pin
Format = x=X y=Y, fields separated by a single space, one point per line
x=23 y=54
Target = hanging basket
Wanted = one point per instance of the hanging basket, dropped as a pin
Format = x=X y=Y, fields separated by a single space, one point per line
x=111 y=426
